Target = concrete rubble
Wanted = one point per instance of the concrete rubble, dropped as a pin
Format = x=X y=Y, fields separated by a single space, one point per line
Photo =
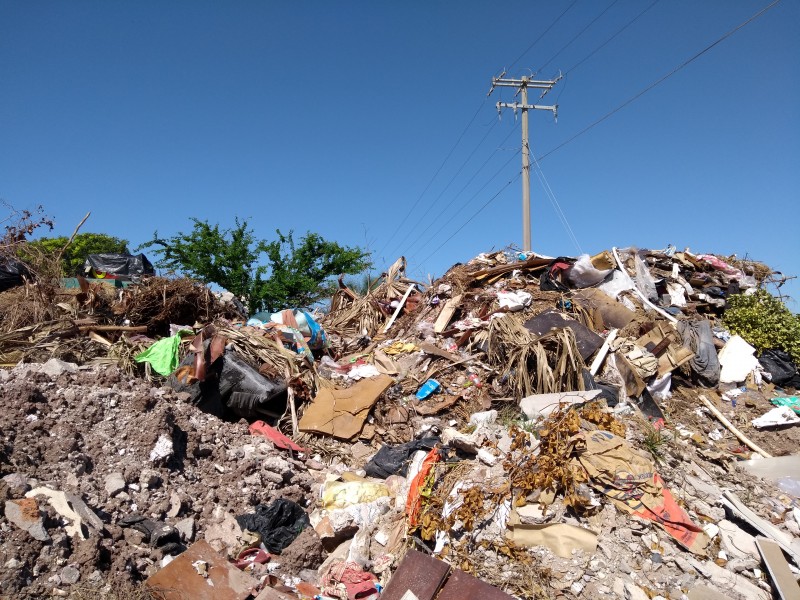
x=524 y=426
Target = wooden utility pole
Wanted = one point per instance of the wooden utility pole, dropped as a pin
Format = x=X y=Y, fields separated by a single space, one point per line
x=522 y=86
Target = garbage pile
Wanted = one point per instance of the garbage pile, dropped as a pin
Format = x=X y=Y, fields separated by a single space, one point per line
x=524 y=426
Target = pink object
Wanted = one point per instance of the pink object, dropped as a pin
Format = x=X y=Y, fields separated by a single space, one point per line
x=275 y=436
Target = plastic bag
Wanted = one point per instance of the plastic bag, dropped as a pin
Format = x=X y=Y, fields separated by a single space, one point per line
x=393 y=460
x=583 y=273
x=780 y=367
x=12 y=272
x=644 y=280
x=163 y=354
x=278 y=524
x=118 y=266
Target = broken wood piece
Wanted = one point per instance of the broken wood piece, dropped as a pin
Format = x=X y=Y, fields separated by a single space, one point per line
x=446 y=314
x=601 y=354
x=96 y=337
x=428 y=348
x=730 y=427
x=782 y=579
x=128 y=328
x=400 y=306
x=789 y=545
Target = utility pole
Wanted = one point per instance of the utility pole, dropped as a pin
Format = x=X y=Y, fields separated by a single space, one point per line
x=522 y=86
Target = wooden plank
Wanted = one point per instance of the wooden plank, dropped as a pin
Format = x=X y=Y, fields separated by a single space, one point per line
x=462 y=586
x=449 y=308
x=782 y=579
x=789 y=545
x=418 y=576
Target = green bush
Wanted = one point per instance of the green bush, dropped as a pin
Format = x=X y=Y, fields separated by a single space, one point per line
x=764 y=322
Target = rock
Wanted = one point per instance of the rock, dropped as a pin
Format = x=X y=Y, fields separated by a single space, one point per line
x=332 y=538
x=17 y=484
x=175 y=505
x=149 y=479
x=186 y=528
x=163 y=448
x=634 y=592
x=25 y=515
x=12 y=564
x=55 y=368
x=70 y=575
x=114 y=484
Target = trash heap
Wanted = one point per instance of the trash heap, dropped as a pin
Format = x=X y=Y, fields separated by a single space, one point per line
x=524 y=426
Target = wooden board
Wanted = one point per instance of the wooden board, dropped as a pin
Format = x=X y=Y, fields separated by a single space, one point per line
x=180 y=580
x=418 y=576
x=782 y=579
x=462 y=586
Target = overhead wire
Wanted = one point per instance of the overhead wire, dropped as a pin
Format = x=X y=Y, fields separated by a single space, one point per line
x=464 y=187
x=601 y=46
x=471 y=218
x=606 y=116
x=660 y=80
x=441 y=166
x=579 y=34
x=460 y=137
x=536 y=41
x=446 y=187
x=555 y=203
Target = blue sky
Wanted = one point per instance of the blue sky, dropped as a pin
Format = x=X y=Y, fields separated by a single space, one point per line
x=334 y=117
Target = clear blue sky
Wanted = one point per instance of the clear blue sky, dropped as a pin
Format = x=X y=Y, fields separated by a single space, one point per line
x=334 y=117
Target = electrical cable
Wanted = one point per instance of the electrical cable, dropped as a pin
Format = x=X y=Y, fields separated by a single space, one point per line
x=556 y=205
x=528 y=49
x=579 y=34
x=660 y=80
x=475 y=214
x=601 y=46
x=411 y=210
x=446 y=187
x=464 y=187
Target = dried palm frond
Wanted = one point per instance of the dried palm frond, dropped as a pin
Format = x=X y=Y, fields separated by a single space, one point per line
x=549 y=363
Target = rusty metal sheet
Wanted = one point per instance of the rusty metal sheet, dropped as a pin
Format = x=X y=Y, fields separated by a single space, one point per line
x=180 y=580
x=419 y=574
x=461 y=586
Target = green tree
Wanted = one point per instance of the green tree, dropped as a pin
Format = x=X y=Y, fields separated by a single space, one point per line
x=83 y=245
x=267 y=275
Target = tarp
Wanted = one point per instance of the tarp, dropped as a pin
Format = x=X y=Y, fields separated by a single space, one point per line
x=11 y=273
x=118 y=266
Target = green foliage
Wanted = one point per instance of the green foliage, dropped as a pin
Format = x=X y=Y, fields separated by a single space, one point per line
x=764 y=322
x=83 y=245
x=293 y=274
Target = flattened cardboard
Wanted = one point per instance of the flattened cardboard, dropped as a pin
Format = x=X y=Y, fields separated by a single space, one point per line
x=614 y=314
x=341 y=412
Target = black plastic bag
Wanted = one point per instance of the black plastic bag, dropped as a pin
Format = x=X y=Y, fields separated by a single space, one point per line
x=12 y=272
x=121 y=266
x=780 y=365
x=393 y=460
x=550 y=280
x=278 y=524
x=233 y=384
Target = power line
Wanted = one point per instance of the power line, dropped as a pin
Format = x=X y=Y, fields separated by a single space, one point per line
x=470 y=199
x=475 y=214
x=556 y=206
x=446 y=187
x=579 y=34
x=661 y=80
x=601 y=46
x=411 y=210
x=528 y=49
x=466 y=185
